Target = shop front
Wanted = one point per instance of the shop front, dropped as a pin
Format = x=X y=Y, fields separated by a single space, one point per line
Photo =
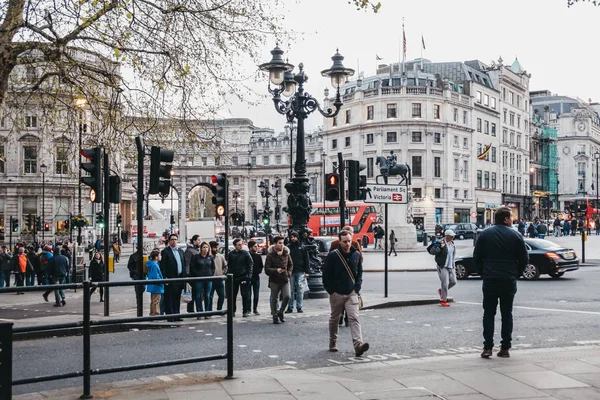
x=490 y=210
x=515 y=203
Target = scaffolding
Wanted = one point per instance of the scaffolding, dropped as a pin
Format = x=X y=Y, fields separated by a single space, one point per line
x=549 y=160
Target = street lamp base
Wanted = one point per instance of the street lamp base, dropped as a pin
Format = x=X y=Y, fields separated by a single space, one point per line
x=315 y=286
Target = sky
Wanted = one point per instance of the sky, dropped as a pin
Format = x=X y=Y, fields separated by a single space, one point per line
x=553 y=43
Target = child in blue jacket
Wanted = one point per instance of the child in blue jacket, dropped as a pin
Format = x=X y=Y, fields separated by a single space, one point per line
x=155 y=290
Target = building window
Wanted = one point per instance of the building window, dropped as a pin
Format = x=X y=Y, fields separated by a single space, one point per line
x=370 y=139
x=347 y=116
x=504 y=94
x=512 y=138
x=204 y=161
x=456 y=171
x=518 y=121
x=334 y=123
x=217 y=160
x=416 y=166
x=455 y=140
x=437 y=193
x=504 y=158
x=416 y=110
x=278 y=160
x=437 y=137
x=437 y=167
x=265 y=160
x=479 y=149
x=334 y=143
x=2 y=122
x=493 y=180
x=519 y=159
x=253 y=161
x=436 y=111
x=236 y=181
x=456 y=193
x=465 y=170
x=493 y=129
x=504 y=182
x=504 y=115
x=347 y=141
x=518 y=100
x=512 y=184
x=370 y=112
x=505 y=135
x=30 y=159
x=465 y=119
x=512 y=119
x=512 y=161
x=391 y=137
x=62 y=160
x=479 y=179
x=456 y=115
x=511 y=100
x=493 y=154
x=235 y=160
x=370 y=168
x=478 y=124
x=418 y=193
x=2 y=161
x=493 y=102
x=253 y=187
x=486 y=100
x=31 y=121
x=466 y=194
x=519 y=185
x=391 y=111
x=465 y=142
x=311 y=157
x=486 y=180
x=486 y=126
x=416 y=137
x=479 y=97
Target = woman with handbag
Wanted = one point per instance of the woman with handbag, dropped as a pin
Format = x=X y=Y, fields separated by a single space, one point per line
x=393 y=241
x=97 y=273
x=202 y=264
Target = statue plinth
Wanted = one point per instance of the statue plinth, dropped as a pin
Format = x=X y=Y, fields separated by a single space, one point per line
x=405 y=233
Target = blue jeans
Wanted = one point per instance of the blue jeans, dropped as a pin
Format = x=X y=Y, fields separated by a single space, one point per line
x=203 y=292
x=4 y=278
x=59 y=294
x=296 y=292
x=255 y=290
x=30 y=279
x=494 y=290
x=219 y=287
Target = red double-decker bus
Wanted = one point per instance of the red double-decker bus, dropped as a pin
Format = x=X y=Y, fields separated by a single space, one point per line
x=325 y=220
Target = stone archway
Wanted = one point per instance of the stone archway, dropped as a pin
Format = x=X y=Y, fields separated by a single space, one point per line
x=199 y=203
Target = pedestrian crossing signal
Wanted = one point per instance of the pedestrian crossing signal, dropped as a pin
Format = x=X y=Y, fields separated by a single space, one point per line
x=332 y=182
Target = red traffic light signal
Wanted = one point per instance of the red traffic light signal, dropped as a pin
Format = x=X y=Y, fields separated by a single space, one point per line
x=219 y=190
x=332 y=182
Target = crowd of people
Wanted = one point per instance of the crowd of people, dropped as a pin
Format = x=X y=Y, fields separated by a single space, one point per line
x=559 y=227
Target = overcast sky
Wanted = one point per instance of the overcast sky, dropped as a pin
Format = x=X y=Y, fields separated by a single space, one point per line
x=553 y=43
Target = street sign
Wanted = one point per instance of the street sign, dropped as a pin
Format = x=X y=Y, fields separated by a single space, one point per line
x=392 y=194
x=473 y=214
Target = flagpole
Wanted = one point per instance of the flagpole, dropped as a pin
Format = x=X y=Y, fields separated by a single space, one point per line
x=422 y=51
x=403 y=47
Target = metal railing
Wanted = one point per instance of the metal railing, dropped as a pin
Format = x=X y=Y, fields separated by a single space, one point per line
x=7 y=331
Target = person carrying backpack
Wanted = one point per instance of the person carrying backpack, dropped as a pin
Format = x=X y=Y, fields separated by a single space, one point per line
x=445 y=256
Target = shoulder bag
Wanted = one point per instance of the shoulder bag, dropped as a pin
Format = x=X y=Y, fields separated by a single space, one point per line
x=360 y=300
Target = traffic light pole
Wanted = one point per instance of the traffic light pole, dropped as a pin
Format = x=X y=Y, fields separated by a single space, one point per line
x=140 y=224
x=226 y=215
x=342 y=173
x=10 y=235
x=106 y=200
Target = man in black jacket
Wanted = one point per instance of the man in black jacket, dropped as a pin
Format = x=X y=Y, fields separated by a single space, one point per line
x=299 y=255
x=500 y=256
x=257 y=268
x=240 y=264
x=172 y=265
x=342 y=279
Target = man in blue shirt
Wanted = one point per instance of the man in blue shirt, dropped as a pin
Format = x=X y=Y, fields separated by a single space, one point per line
x=172 y=266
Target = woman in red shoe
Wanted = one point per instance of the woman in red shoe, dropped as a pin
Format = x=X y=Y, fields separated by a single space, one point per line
x=445 y=255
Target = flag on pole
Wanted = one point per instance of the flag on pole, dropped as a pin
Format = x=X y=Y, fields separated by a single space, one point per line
x=422 y=42
x=403 y=43
x=378 y=58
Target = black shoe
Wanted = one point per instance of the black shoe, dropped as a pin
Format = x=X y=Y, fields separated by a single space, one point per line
x=281 y=317
x=486 y=353
x=57 y=305
x=275 y=319
x=101 y=300
x=45 y=296
x=289 y=311
x=346 y=322
x=63 y=302
x=300 y=310
x=256 y=312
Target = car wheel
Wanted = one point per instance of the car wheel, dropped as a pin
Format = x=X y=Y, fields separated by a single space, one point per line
x=461 y=271
x=461 y=237
x=557 y=275
x=531 y=272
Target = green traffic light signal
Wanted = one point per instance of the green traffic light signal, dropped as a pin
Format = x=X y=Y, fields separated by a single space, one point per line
x=266 y=220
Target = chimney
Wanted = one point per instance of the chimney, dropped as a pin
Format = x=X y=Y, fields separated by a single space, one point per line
x=546 y=115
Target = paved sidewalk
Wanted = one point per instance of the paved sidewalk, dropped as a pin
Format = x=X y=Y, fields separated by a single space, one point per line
x=558 y=373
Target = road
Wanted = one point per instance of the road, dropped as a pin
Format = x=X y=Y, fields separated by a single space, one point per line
x=548 y=313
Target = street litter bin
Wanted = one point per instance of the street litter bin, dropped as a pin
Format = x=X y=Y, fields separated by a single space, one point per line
x=111 y=264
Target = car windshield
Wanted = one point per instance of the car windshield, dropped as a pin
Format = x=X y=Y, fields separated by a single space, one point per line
x=452 y=227
x=544 y=244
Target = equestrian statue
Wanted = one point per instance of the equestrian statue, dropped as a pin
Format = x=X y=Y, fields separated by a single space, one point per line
x=388 y=166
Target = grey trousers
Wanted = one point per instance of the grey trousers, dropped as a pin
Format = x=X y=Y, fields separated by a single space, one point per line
x=338 y=303
x=276 y=288
x=447 y=279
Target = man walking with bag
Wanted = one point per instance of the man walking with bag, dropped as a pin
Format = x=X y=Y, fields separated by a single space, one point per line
x=445 y=254
x=500 y=256
x=342 y=278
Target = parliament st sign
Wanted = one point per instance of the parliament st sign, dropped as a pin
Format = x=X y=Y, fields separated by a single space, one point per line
x=392 y=194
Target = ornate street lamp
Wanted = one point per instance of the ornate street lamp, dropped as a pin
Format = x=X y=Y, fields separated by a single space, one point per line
x=298 y=107
x=597 y=158
x=43 y=170
x=80 y=104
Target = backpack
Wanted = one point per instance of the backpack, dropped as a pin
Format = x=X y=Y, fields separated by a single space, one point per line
x=432 y=246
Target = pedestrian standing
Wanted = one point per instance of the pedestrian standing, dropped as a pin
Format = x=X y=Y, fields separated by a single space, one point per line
x=156 y=290
x=541 y=230
x=20 y=266
x=34 y=260
x=116 y=251
x=299 y=256
x=220 y=270
x=188 y=254
x=240 y=264
x=342 y=279
x=202 y=265
x=445 y=256
x=257 y=269
x=5 y=267
x=500 y=256
x=97 y=273
x=172 y=266
x=393 y=241
x=58 y=268
x=279 y=267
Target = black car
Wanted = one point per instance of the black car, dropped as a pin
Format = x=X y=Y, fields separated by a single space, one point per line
x=545 y=257
x=463 y=230
x=323 y=245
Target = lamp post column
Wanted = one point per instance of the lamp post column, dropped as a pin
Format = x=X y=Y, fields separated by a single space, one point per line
x=80 y=103
x=43 y=169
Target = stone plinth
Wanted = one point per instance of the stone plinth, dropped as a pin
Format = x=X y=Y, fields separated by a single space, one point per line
x=405 y=233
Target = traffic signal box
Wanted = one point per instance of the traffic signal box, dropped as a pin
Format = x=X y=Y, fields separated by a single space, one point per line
x=94 y=168
x=14 y=224
x=100 y=220
x=119 y=220
x=219 y=190
x=158 y=170
x=332 y=183
x=356 y=183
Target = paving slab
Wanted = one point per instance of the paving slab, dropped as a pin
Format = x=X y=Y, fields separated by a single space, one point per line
x=546 y=380
x=570 y=367
x=438 y=383
x=590 y=379
x=494 y=384
x=575 y=394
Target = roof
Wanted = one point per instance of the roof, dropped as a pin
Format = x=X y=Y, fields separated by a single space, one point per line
x=516 y=67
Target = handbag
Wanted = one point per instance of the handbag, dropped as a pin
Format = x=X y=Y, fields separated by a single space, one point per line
x=303 y=284
x=360 y=300
x=186 y=296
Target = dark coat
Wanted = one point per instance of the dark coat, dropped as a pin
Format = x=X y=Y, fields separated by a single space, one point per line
x=202 y=266
x=276 y=261
x=168 y=264
x=500 y=253
x=258 y=266
x=5 y=262
x=335 y=275
x=58 y=266
x=299 y=255
x=97 y=270
x=240 y=264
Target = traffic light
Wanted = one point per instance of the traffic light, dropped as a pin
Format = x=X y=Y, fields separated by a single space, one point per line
x=46 y=227
x=119 y=220
x=94 y=168
x=219 y=190
x=114 y=191
x=172 y=219
x=158 y=170
x=100 y=220
x=29 y=222
x=266 y=219
x=14 y=224
x=356 y=183
x=277 y=213
x=255 y=214
x=38 y=224
x=332 y=183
